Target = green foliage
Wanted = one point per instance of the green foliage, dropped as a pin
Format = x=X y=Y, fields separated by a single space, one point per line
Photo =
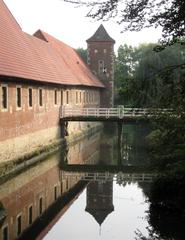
x=83 y=54
x=167 y=144
x=145 y=78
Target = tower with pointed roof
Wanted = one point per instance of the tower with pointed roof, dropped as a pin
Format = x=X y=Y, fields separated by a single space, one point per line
x=100 y=59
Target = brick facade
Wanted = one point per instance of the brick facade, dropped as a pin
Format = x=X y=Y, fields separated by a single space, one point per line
x=38 y=75
x=100 y=60
x=24 y=129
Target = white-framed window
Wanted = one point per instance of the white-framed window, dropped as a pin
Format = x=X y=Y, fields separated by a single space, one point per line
x=5 y=232
x=93 y=97
x=4 y=97
x=87 y=96
x=30 y=97
x=67 y=97
x=40 y=97
x=80 y=97
x=19 y=224
x=18 y=97
x=77 y=97
x=84 y=99
x=61 y=98
x=55 y=97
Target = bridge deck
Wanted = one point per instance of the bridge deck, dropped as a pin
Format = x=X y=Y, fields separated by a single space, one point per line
x=103 y=114
x=106 y=176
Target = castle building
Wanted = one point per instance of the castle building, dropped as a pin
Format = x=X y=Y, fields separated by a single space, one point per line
x=101 y=62
x=38 y=75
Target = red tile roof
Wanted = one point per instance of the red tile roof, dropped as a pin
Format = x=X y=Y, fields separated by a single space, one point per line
x=26 y=56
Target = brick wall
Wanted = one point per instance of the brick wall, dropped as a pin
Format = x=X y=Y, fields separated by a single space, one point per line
x=103 y=51
x=23 y=129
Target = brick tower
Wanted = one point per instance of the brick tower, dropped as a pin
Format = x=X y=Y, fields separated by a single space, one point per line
x=100 y=59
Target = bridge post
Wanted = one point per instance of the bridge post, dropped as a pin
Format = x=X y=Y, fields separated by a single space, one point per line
x=119 y=141
x=62 y=111
x=121 y=112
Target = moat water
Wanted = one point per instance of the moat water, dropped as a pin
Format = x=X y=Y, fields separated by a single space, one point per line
x=100 y=187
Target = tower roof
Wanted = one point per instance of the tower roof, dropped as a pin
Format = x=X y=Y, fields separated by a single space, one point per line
x=100 y=214
x=100 y=35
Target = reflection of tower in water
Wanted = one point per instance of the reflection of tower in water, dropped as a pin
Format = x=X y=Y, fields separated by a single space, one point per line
x=100 y=200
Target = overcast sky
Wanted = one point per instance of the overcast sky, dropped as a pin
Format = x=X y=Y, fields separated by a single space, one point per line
x=69 y=24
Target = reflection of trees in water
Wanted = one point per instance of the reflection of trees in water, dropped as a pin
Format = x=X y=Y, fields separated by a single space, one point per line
x=134 y=144
x=166 y=215
x=109 y=128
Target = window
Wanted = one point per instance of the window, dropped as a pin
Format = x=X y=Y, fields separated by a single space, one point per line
x=30 y=215
x=19 y=97
x=55 y=193
x=61 y=98
x=40 y=205
x=92 y=96
x=4 y=90
x=80 y=97
x=5 y=233
x=30 y=97
x=76 y=97
x=19 y=225
x=67 y=97
x=40 y=97
x=87 y=97
x=55 y=97
x=84 y=97
x=101 y=66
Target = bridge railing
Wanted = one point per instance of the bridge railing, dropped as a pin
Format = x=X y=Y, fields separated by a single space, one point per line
x=106 y=176
x=119 y=112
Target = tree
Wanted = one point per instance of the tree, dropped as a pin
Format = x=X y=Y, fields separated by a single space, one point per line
x=135 y=15
x=83 y=53
x=149 y=79
x=123 y=71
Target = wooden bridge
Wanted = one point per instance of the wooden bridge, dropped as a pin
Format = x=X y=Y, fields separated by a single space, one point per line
x=106 y=176
x=103 y=114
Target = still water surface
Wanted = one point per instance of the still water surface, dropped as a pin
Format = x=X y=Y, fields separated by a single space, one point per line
x=96 y=188
x=128 y=215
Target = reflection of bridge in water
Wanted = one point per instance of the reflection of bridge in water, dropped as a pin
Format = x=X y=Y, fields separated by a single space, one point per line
x=107 y=176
